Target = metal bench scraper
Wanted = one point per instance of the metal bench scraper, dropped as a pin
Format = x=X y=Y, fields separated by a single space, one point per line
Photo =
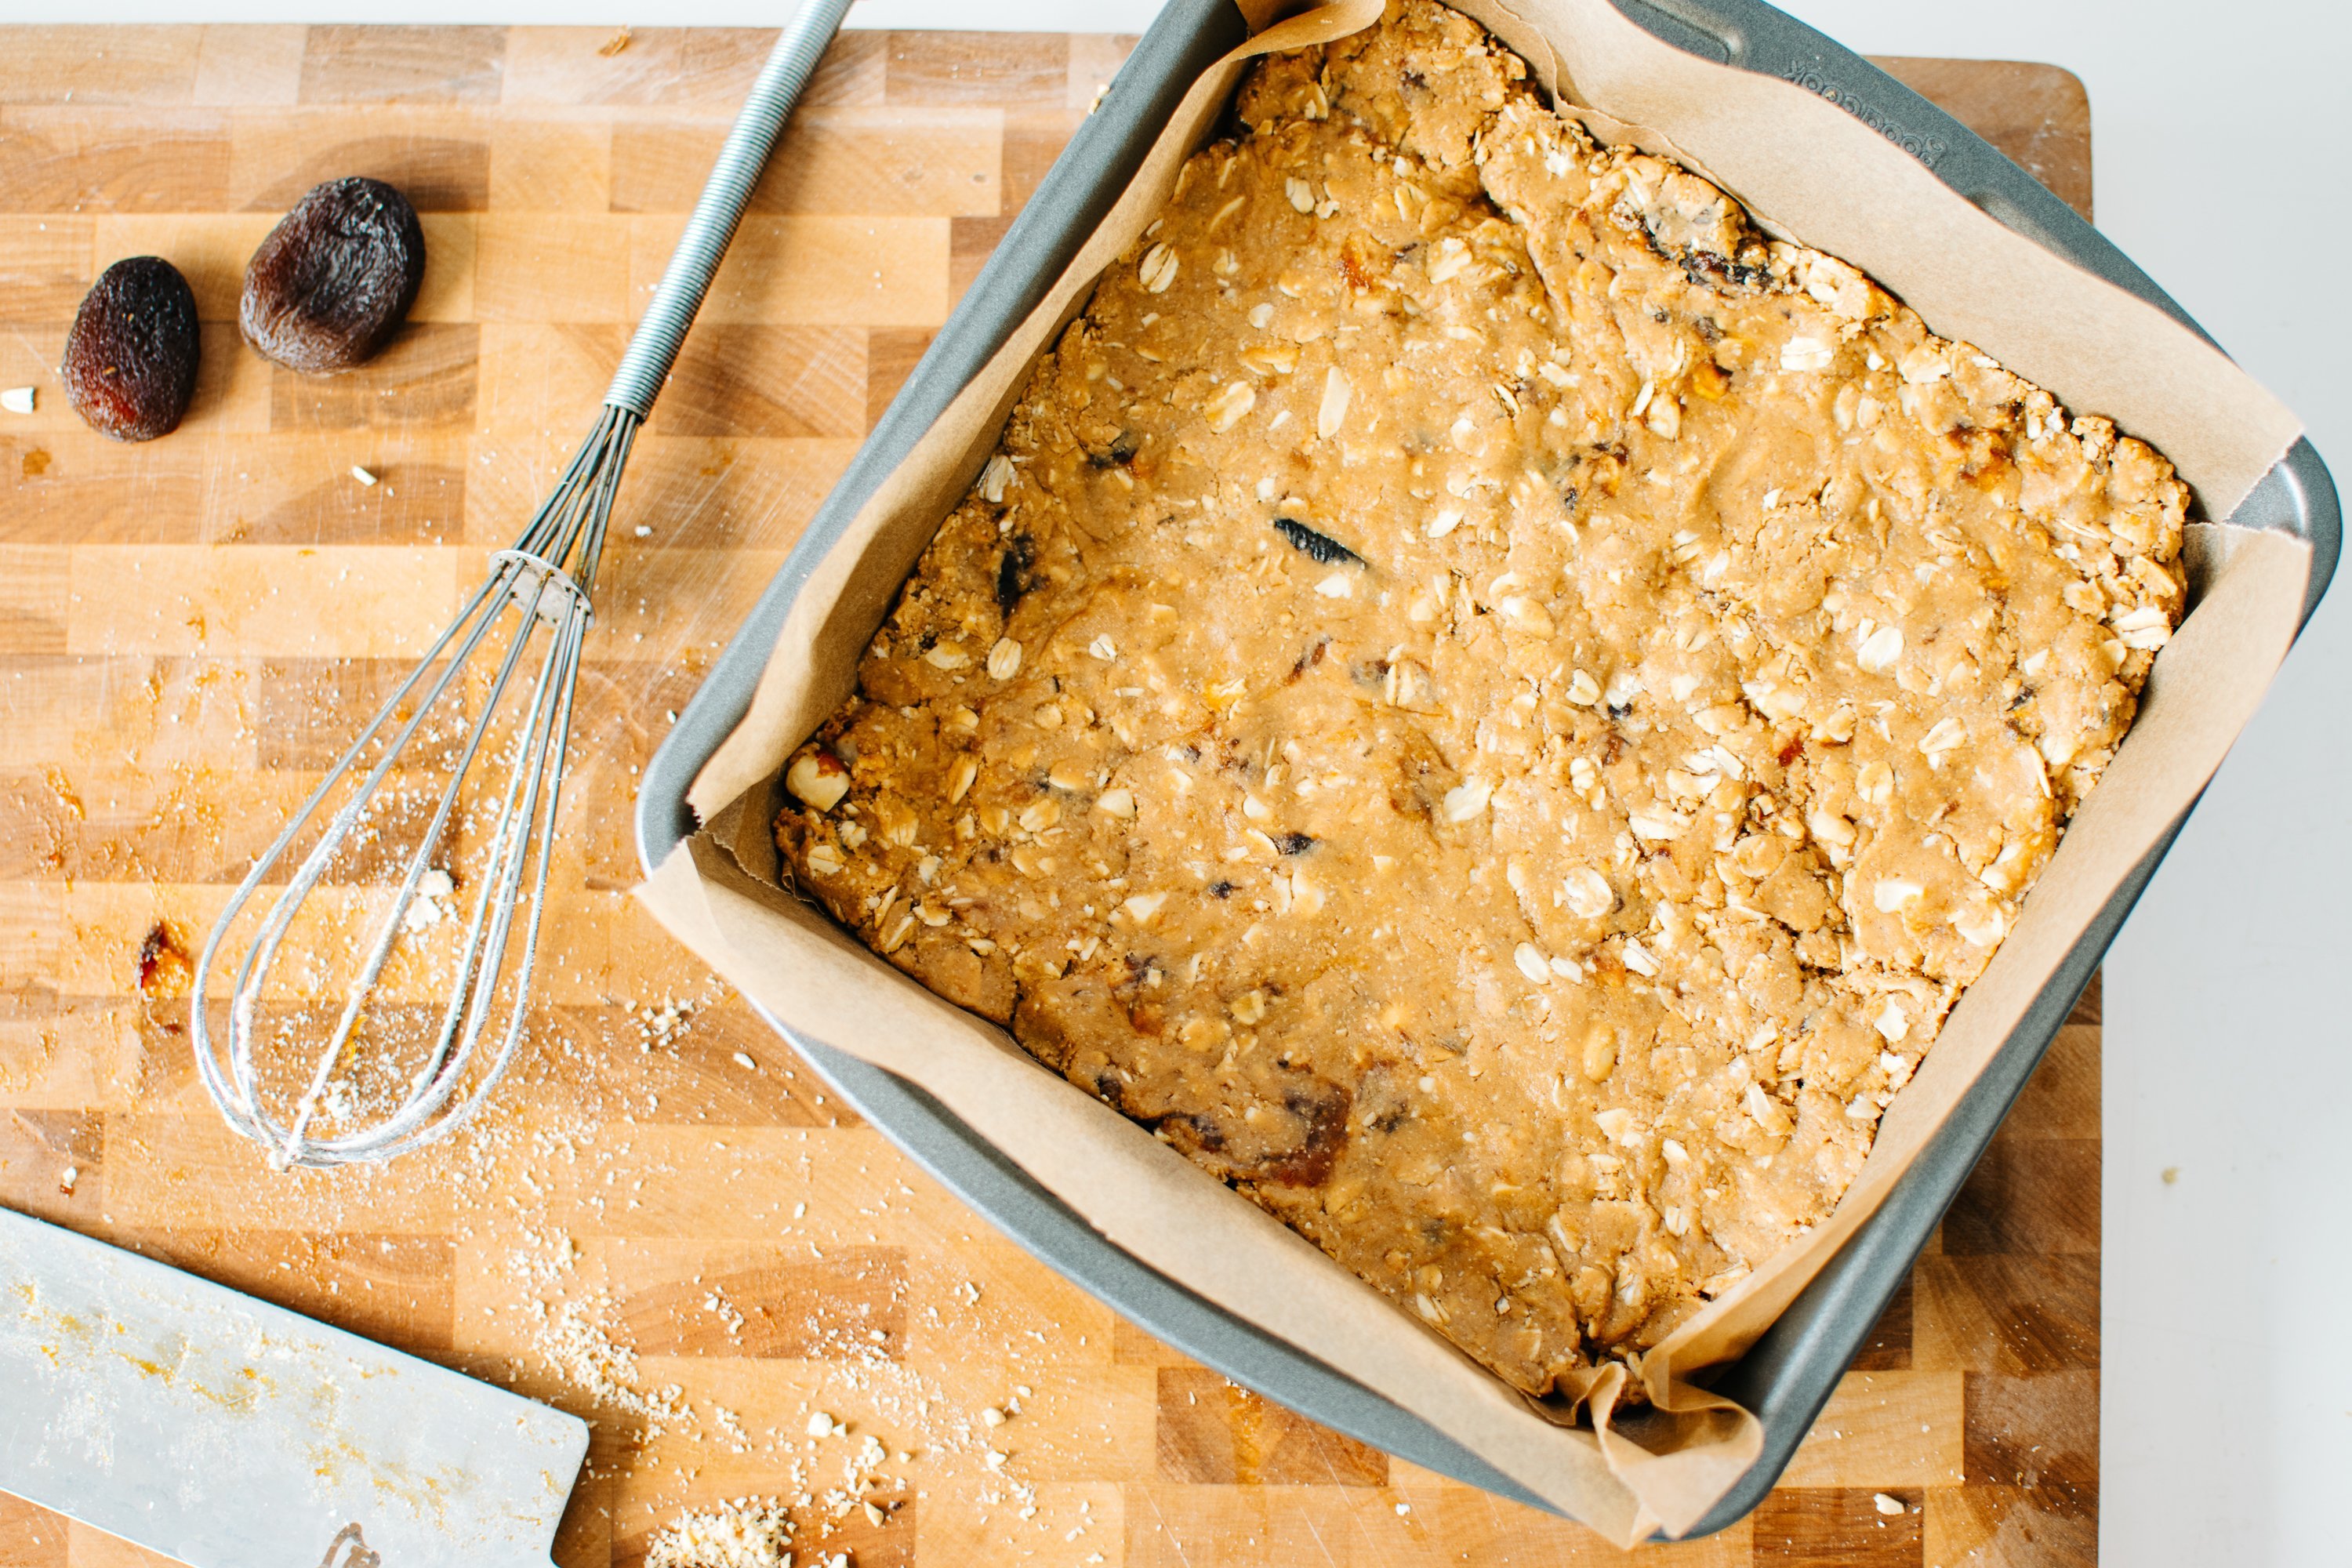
x=232 y=1434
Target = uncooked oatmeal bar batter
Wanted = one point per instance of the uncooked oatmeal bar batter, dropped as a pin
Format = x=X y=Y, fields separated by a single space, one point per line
x=1493 y=706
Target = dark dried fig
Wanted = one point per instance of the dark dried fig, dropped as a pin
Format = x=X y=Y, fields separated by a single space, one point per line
x=335 y=278
x=130 y=360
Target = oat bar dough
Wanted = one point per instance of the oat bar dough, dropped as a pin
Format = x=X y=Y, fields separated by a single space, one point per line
x=1494 y=707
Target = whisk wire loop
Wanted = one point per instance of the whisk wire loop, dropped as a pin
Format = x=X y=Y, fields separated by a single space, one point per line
x=543 y=580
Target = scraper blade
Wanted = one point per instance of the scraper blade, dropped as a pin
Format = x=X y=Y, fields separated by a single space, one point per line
x=231 y=1434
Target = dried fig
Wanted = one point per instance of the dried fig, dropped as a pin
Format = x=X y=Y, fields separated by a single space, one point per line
x=130 y=360
x=335 y=278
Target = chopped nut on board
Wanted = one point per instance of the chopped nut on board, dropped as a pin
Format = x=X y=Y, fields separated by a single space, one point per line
x=1515 y=704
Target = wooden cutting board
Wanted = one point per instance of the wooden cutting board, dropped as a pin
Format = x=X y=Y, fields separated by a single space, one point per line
x=188 y=630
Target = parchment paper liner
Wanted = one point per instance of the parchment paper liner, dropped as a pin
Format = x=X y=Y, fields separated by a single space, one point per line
x=1807 y=170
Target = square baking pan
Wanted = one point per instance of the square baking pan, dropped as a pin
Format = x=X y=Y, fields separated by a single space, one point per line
x=1789 y=1374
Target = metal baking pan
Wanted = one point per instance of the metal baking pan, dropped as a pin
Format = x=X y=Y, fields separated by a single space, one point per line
x=1787 y=1375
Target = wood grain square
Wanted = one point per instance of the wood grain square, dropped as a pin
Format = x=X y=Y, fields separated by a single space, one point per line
x=690 y=1078
x=612 y=948
x=1888 y=1348
x=68 y=1054
x=188 y=1170
x=1985 y=1523
x=855 y=69
x=978 y=67
x=1450 y=1523
x=98 y=65
x=850 y=1304
x=2061 y=1098
x=970 y=242
x=392 y=1288
x=702 y=494
x=403 y=65
x=595 y=66
x=1838 y=1527
x=89 y=822
x=88 y=489
x=288 y=492
x=551 y=267
x=157 y=1073
x=38 y=678
x=878 y=162
x=738 y=378
x=810 y=270
x=34 y=1008
x=306 y=711
x=276 y=601
x=1210 y=1431
x=543 y=380
x=88 y=161
x=1183 y=1525
x=1048 y=1524
x=424 y=380
x=29 y=457
x=1065 y=1423
x=36 y=674
x=2035 y=1196
x=30 y=1535
x=27 y=967
x=1884 y=1429
x=645 y=613
x=167 y=710
x=38 y=1149
x=623 y=714
x=447 y=293
x=708 y=67
x=2016 y=1315
x=32 y=614
x=764 y=1171
x=891 y=354
x=250 y=64
x=994 y=1320
x=551 y=165
x=2040 y=1433
x=439 y=158
x=46 y=266
x=71 y=709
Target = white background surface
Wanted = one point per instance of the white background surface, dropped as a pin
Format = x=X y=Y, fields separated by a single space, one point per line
x=2223 y=158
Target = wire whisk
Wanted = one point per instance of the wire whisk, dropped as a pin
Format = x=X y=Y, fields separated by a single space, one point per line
x=529 y=618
